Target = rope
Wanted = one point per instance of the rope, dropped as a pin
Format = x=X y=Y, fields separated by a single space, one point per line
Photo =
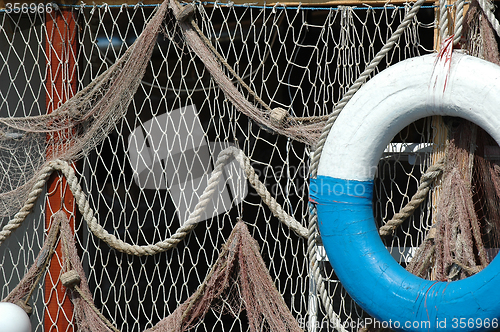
x=261 y=189
x=423 y=189
x=315 y=271
x=470 y=270
x=459 y=20
x=19 y=217
x=359 y=82
x=487 y=7
x=88 y=214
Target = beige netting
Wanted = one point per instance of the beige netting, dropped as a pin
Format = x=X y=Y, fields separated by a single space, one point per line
x=77 y=126
x=467 y=220
x=299 y=61
x=21 y=294
x=81 y=123
x=239 y=280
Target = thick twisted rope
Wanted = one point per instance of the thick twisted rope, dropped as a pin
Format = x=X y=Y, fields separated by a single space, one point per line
x=262 y=191
x=487 y=8
x=359 y=82
x=88 y=214
x=459 y=20
x=423 y=189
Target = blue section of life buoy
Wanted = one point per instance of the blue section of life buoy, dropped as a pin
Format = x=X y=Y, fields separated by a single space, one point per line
x=379 y=284
x=462 y=86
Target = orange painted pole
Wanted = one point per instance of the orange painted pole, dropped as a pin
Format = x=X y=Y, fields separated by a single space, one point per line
x=61 y=84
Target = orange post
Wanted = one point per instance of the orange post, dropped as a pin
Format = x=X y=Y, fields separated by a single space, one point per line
x=61 y=84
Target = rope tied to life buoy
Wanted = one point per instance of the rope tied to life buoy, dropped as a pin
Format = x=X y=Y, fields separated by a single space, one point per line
x=343 y=190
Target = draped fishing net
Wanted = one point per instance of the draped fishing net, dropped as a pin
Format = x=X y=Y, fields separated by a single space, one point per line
x=144 y=128
x=76 y=126
x=237 y=281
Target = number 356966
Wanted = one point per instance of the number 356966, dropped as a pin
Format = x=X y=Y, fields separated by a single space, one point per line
x=26 y=8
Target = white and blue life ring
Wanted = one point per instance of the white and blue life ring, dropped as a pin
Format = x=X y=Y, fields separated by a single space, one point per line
x=466 y=87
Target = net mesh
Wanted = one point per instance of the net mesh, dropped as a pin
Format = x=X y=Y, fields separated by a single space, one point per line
x=146 y=164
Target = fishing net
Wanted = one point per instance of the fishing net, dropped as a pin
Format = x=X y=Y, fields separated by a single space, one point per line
x=237 y=281
x=144 y=129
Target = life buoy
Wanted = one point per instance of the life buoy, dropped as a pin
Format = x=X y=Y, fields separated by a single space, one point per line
x=466 y=87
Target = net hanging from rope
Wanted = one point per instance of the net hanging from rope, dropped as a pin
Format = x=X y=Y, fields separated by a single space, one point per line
x=81 y=123
x=239 y=280
x=277 y=26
